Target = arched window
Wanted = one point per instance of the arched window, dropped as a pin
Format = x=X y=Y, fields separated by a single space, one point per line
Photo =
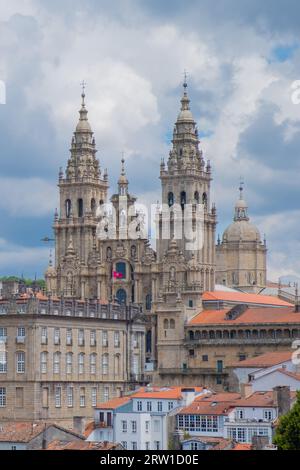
x=133 y=251
x=191 y=335
x=105 y=364
x=166 y=324
x=182 y=199
x=80 y=207
x=93 y=206
x=93 y=359
x=121 y=296
x=196 y=197
x=148 y=301
x=81 y=363
x=44 y=362
x=204 y=199
x=170 y=199
x=172 y=324
x=56 y=363
x=108 y=253
x=68 y=207
x=101 y=202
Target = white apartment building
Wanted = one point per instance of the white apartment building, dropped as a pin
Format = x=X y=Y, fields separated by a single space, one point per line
x=140 y=421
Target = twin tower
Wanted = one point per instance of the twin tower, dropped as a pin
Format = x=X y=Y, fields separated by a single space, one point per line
x=129 y=270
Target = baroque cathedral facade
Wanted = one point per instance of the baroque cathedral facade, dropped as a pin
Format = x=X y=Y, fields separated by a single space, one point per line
x=95 y=259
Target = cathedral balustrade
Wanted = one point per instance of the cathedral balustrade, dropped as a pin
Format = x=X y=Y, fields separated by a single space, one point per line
x=248 y=336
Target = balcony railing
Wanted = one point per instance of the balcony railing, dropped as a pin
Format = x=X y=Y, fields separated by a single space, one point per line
x=191 y=371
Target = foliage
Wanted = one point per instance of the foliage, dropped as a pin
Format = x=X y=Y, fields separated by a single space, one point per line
x=287 y=436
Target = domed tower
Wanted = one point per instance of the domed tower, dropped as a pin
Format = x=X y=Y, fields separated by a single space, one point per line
x=241 y=255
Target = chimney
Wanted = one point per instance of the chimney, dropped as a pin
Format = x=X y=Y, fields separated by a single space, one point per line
x=282 y=399
x=246 y=390
x=78 y=424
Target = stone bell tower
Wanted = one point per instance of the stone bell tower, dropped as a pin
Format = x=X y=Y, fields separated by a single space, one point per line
x=82 y=188
x=186 y=180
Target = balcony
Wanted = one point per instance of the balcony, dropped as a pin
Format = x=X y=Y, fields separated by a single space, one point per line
x=20 y=339
x=225 y=341
x=191 y=371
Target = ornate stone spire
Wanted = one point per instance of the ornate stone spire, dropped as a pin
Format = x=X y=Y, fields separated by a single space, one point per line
x=83 y=163
x=241 y=208
x=123 y=181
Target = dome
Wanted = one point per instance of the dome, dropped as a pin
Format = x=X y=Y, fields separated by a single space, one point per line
x=241 y=230
x=185 y=115
x=83 y=126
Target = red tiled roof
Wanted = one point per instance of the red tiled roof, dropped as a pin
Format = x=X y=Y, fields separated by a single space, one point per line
x=26 y=431
x=259 y=399
x=241 y=297
x=81 y=445
x=265 y=360
x=251 y=316
x=242 y=446
x=219 y=397
x=171 y=393
x=114 y=403
x=207 y=408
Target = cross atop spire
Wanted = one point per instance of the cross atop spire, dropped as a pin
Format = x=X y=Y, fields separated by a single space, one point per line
x=185 y=74
x=241 y=187
x=83 y=87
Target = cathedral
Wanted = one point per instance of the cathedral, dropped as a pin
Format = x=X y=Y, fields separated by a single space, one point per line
x=96 y=259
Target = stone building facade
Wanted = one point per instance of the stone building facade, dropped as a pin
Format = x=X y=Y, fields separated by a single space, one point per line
x=59 y=357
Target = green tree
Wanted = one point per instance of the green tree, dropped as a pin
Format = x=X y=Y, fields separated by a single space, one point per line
x=287 y=436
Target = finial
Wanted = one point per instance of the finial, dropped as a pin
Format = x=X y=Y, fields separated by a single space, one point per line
x=185 y=74
x=50 y=257
x=241 y=188
x=83 y=86
x=123 y=164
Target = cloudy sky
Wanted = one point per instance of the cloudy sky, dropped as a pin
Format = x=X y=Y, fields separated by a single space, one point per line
x=242 y=58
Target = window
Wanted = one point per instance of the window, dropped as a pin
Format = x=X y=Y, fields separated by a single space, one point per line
x=69 y=363
x=240 y=414
x=121 y=270
x=117 y=339
x=93 y=358
x=70 y=396
x=205 y=358
x=170 y=199
x=242 y=357
x=56 y=363
x=170 y=405
x=140 y=406
x=3 y=334
x=156 y=425
x=44 y=362
x=94 y=396
x=124 y=444
x=172 y=324
x=21 y=332
x=82 y=397
x=104 y=338
x=191 y=303
x=20 y=362
x=159 y=406
x=68 y=207
x=133 y=426
x=135 y=342
x=147 y=445
x=57 y=397
x=93 y=338
x=19 y=397
x=80 y=207
x=44 y=335
x=194 y=445
x=105 y=364
x=124 y=426
x=81 y=338
x=134 y=445
x=45 y=397
x=3 y=361
x=149 y=406
x=148 y=301
x=56 y=336
x=182 y=199
x=106 y=393
x=147 y=426
x=268 y=415
x=2 y=397
x=69 y=337
x=157 y=445
x=81 y=363
x=191 y=353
